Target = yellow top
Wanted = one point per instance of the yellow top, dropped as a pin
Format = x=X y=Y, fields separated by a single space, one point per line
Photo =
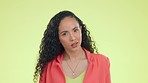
x=78 y=79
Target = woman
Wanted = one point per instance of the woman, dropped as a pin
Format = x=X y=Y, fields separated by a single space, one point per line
x=67 y=53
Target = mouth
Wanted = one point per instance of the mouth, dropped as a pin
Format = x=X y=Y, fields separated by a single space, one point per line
x=74 y=45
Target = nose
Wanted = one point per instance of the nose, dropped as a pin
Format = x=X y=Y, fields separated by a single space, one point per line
x=72 y=37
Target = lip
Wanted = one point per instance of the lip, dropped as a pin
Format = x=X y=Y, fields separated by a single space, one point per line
x=74 y=45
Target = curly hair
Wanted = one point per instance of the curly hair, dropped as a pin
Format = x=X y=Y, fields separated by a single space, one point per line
x=51 y=47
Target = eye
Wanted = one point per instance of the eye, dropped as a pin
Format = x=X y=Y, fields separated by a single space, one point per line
x=64 y=34
x=75 y=30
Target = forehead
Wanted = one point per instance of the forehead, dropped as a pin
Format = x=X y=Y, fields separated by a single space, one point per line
x=68 y=23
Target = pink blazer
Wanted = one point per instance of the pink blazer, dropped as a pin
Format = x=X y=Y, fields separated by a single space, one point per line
x=98 y=70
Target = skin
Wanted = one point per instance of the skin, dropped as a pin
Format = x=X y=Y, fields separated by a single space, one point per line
x=70 y=34
x=70 y=37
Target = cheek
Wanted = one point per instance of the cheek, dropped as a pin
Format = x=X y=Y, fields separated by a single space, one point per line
x=62 y=41
x=80 y=36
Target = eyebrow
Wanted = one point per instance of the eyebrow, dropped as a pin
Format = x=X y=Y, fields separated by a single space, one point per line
x=74 y=28
x=67 y=31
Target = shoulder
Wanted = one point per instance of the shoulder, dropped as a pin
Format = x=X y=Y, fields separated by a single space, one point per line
x=100 y=59
x=99 y=56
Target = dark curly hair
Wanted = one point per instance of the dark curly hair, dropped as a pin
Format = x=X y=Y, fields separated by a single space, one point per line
x=51 y=47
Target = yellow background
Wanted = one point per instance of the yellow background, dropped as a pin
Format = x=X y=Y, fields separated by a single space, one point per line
x=119 y=27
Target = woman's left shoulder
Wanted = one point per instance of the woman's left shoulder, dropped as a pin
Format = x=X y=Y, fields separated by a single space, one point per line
x=101 y=57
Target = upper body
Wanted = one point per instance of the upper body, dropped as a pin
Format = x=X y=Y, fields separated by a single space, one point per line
x=98 y=70
x=67 y=50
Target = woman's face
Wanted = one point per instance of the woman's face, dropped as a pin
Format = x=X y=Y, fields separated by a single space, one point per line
x=70 y=34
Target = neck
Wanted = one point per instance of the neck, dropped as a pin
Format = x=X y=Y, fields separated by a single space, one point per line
x=75 y=55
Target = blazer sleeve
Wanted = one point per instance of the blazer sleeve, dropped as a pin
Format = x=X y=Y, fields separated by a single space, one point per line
x=108 y=77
